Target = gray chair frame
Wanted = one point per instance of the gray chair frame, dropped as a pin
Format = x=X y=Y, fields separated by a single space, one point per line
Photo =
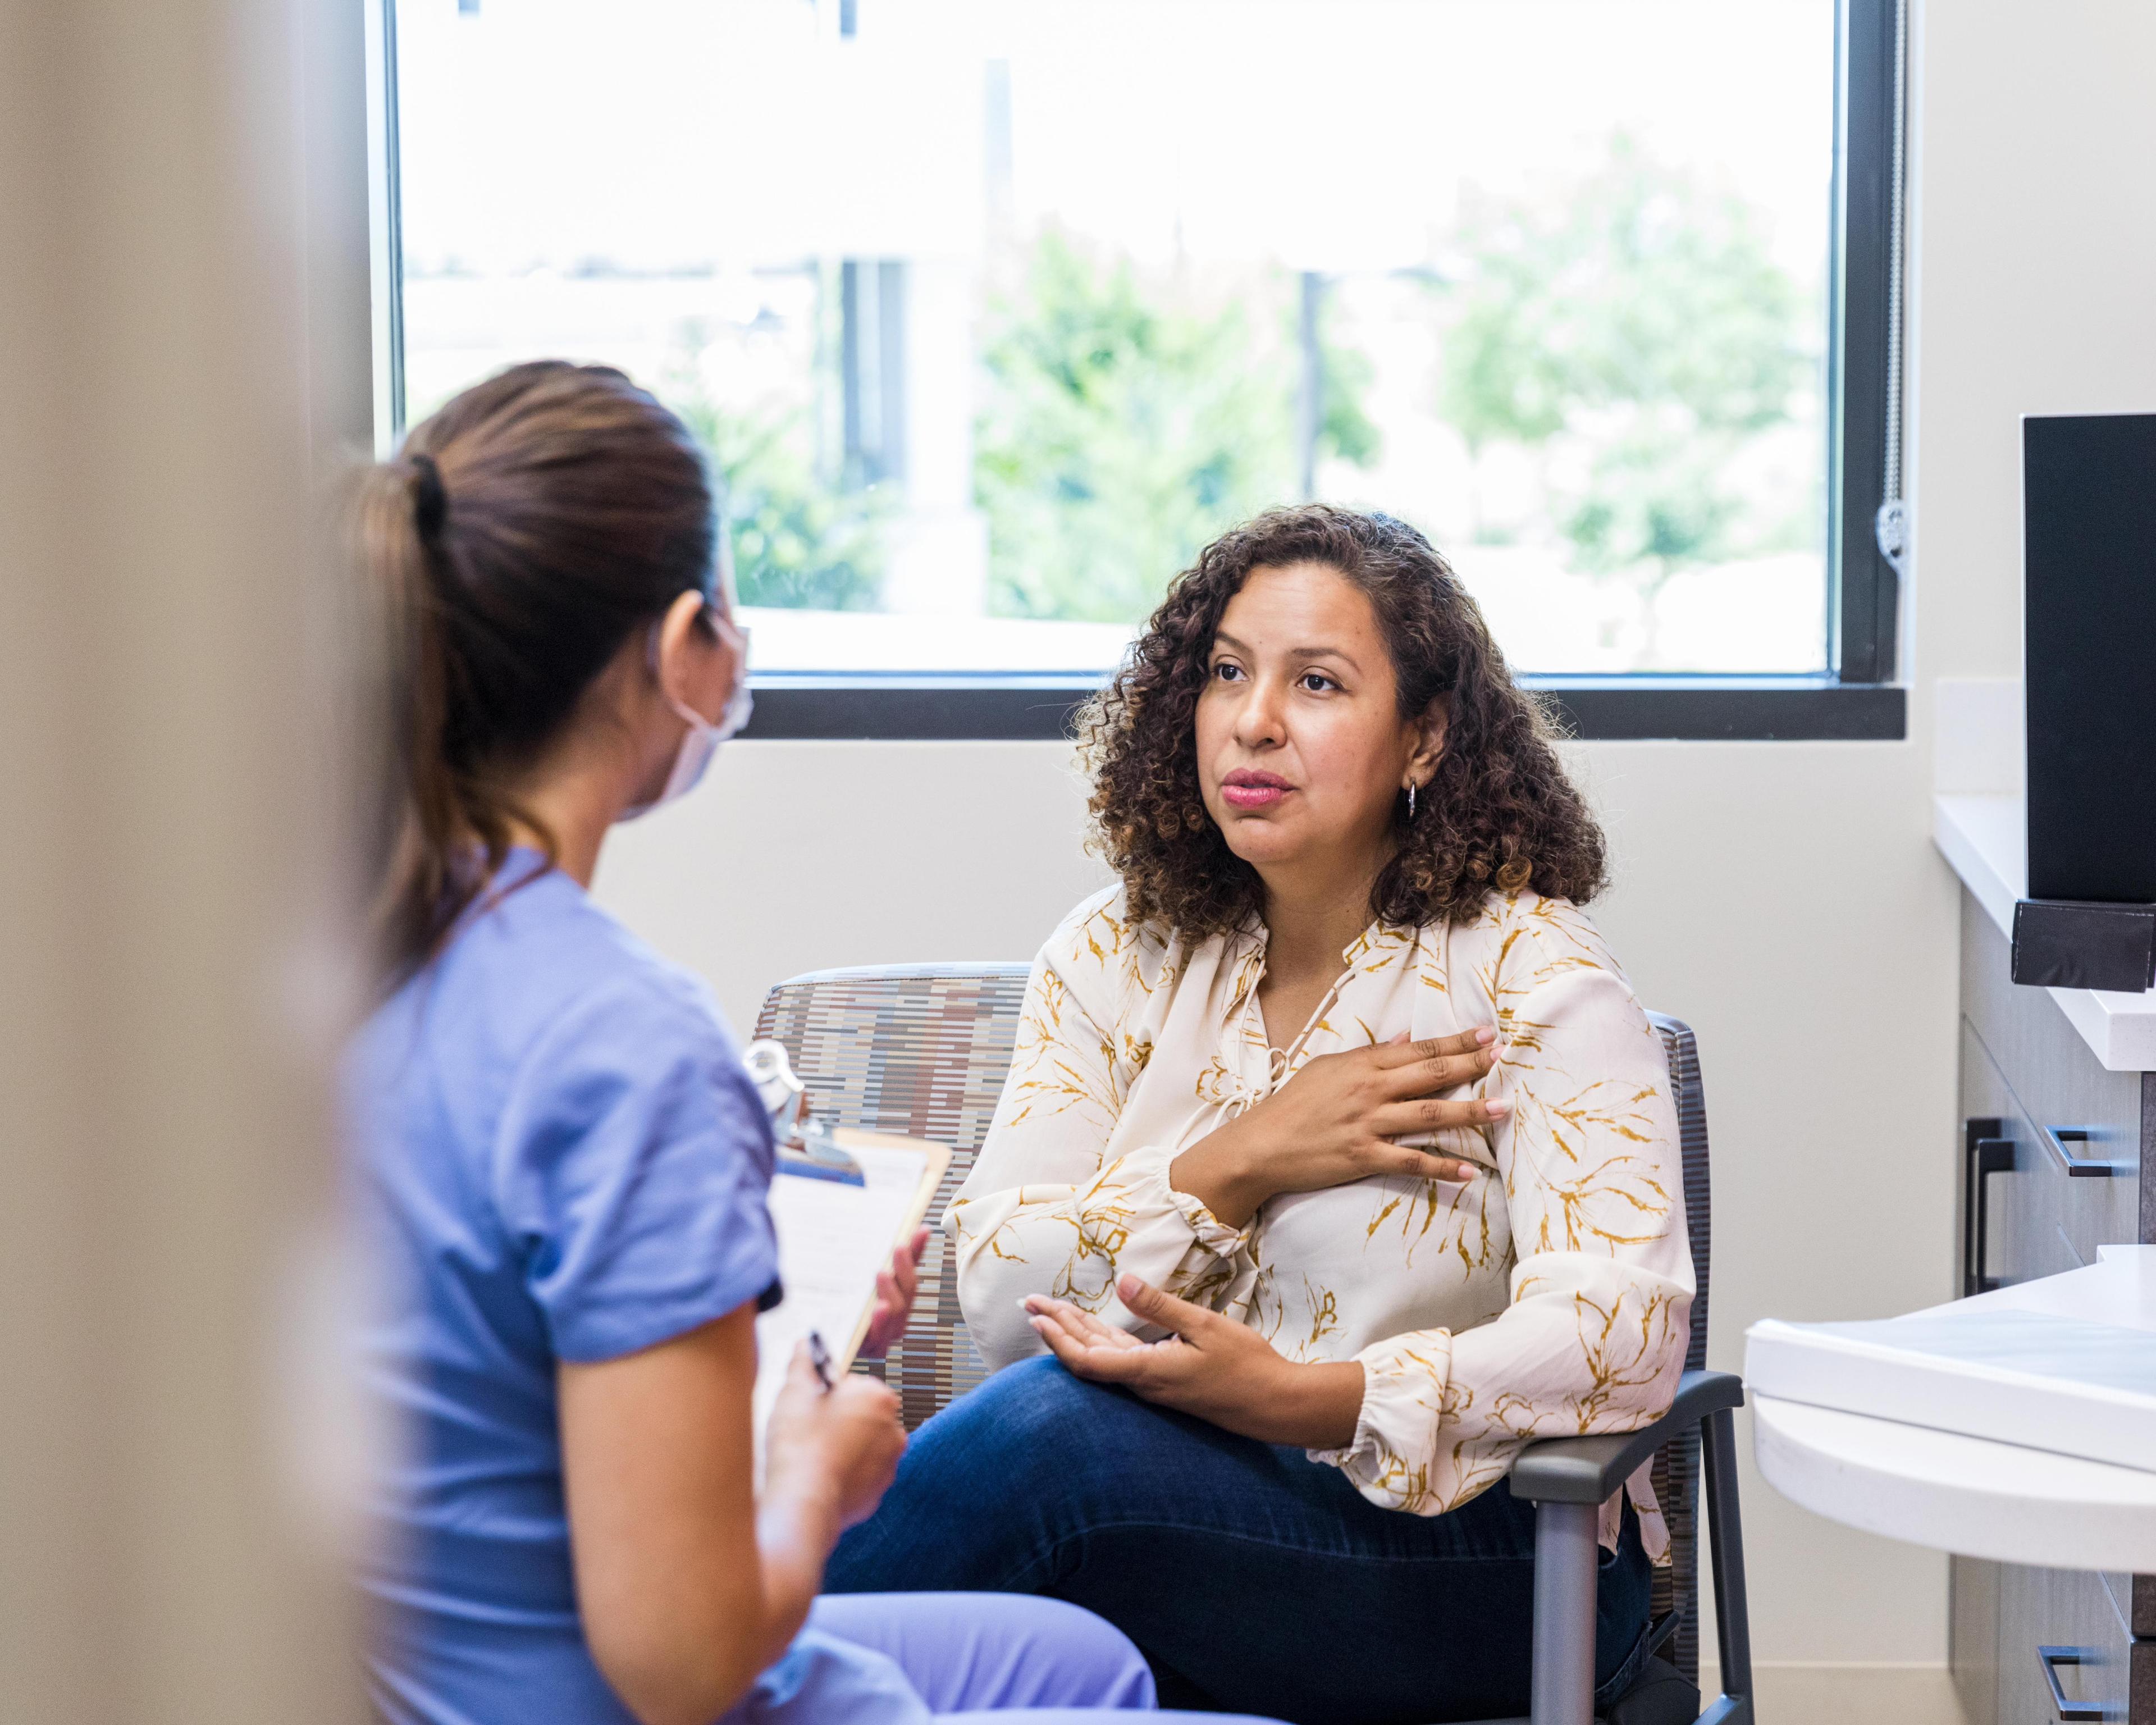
x=1567 y=1480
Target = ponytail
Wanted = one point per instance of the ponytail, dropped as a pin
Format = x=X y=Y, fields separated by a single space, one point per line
x=528 y=530
x=445 y=839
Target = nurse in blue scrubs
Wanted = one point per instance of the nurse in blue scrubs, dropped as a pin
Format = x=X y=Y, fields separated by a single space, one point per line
x=561 y=1166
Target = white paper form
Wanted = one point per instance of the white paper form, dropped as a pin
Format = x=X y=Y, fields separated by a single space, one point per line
x=833 y=1238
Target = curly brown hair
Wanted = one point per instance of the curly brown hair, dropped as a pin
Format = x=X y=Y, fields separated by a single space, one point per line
x=1498 y=813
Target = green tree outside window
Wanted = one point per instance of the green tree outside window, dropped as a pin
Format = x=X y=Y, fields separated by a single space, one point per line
x=1638 y=338
x=1125 y=425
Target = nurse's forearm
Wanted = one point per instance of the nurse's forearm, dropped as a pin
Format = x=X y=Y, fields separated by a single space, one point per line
x=686 y=1589
x=797 y=1524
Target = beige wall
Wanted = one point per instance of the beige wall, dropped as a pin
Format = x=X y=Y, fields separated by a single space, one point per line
x=169 y=1479
x=1784 y=898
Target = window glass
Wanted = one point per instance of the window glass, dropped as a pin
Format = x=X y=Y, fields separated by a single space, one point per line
x=992 y=312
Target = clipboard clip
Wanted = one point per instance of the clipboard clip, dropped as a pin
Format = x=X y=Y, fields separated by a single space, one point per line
x=806 y=1145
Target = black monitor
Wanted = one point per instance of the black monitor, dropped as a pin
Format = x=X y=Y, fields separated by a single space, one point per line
x=2089 y=653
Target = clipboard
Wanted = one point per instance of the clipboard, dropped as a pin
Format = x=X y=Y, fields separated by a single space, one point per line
x=834 y=1234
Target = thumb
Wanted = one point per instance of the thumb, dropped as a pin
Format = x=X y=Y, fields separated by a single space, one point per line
x=1155 y=1307
x=801 y=1369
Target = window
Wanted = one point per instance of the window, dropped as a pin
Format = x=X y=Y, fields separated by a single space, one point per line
x=992 y=312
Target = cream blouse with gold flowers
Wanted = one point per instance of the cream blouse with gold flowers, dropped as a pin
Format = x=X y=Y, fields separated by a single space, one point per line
x=1550 y=1295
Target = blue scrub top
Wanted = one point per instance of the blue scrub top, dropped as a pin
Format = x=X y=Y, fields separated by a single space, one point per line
x=558 y=1157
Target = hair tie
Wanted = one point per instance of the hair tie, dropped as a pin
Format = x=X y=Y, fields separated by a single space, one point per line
x=430 y=501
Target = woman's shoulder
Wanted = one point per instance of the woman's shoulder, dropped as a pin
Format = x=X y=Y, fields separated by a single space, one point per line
x=545 y=966
x=619 y=1047
x=1103 y=952
x=542 y=1019
x=1525 y=939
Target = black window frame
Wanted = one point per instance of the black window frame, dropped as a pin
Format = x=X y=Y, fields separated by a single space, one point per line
x=1858 y=701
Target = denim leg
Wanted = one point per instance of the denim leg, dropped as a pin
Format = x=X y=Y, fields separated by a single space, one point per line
x=967 y=1652
x=1253 y=1578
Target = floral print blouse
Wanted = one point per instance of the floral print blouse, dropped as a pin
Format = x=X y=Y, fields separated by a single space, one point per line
x=1548 y=1295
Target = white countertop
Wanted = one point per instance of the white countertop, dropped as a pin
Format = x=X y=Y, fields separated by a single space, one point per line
x=1983 y=838
x=1955 y=1493
x=1932 y=1486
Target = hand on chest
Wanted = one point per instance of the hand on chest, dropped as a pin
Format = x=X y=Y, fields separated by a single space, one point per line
x=1336 y=1269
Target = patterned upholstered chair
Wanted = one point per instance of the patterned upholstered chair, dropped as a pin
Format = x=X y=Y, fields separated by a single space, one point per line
x=923 y=1050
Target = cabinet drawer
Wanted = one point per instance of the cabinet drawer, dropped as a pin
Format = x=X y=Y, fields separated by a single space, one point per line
x=2059 y=1090
x=2025 y=1066
x=2068 y=1609
x=2040 y=1221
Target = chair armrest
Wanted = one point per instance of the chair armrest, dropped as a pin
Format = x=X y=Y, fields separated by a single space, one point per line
x=1589 y=1469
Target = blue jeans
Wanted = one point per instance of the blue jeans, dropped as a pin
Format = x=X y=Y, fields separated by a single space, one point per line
x=1254 y=1579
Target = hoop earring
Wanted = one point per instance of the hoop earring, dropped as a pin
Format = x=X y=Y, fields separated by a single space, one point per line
x=1411 y=791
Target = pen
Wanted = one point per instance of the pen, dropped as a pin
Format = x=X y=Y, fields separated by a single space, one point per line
x=820 y=1357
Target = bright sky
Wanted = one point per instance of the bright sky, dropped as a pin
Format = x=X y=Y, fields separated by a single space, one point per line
x=1328 y=134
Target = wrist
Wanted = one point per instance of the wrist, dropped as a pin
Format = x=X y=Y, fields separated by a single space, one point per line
x=1219 y=1171
x=796 y=1528
x=800 y=1505
x=1320 y=1403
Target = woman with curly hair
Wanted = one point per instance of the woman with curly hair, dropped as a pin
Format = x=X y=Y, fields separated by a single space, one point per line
x=1336 y=1160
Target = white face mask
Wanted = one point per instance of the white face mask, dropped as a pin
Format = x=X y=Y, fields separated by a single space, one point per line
x=701 y=740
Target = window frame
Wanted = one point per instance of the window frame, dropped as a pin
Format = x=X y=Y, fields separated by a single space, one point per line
x=1858 y=701
x=1864 y=589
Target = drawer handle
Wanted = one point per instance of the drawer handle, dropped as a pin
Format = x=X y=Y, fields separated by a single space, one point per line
x=2082 y=1168
x=1987 y=1153
x=2051 y=1658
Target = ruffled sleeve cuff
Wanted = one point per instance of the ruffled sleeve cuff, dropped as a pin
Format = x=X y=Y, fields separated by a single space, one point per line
x=1142 y=1175
x=1390 y=1460
x=1395 y=1460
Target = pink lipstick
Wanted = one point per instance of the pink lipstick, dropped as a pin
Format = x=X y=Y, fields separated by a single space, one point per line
x=1246 y=787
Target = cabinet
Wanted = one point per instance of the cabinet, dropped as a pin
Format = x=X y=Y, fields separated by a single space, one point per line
x=2053 y=1151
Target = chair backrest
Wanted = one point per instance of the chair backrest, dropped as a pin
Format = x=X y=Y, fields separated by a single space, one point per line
x=923 y=1050
x=920 y=1050
x=1677 y=1468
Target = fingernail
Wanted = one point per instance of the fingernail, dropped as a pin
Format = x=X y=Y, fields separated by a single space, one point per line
x=1485 y=1035
x=1495 y=1106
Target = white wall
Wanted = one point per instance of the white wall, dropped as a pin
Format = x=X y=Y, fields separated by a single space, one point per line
x=1782 y=897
